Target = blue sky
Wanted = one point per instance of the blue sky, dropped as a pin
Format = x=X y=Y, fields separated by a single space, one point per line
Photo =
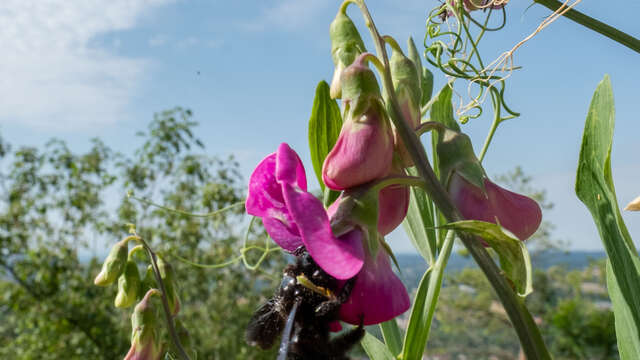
x=248 y=70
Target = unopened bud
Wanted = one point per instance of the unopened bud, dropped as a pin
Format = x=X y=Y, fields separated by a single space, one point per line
x=128 y=286
x=346 y=45
x=169 y=280
x=113 y=265
x=364 y=149
x=144 y=342
x=406 y=83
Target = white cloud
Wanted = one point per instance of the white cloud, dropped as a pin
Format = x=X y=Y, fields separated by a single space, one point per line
x=50 y=75
x=288 y=14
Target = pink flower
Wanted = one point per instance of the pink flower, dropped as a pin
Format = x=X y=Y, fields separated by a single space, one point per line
x=393 y=203
x=293 y=217
x=517 y=213
x=378 y=294
x=364 y=149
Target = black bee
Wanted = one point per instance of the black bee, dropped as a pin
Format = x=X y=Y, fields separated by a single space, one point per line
x=301 y=310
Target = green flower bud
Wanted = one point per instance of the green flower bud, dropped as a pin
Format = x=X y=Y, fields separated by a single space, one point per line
x=406 y=83
x=113 y=265
x=346 y=45
x=168 y=279
x=455 y=153
x=128 y=286
x=144 y=342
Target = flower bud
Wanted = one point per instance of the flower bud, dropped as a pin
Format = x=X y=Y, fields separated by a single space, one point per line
x=406 y=83
x=346 y=45
x=144 y=342
x=113 y=265
x=128 y=286
x=364 y=149
x=393 y=203
x=475 y=195
x=168 y=278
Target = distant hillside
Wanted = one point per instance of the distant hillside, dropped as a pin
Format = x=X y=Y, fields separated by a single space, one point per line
x=413 y=265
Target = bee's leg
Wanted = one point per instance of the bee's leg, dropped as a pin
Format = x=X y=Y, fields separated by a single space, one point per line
x=340 y=345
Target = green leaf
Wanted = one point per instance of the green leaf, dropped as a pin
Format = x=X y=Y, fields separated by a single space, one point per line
x=419 y=223
x=392 y=336
x=324 y=127
x=513 y=254
x=442 y=109
x=424 y=304
x=594 y=187
x=417 y=332
x=426 y=83
x=375 y=348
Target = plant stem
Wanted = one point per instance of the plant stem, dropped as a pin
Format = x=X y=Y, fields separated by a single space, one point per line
x=595 y=25
x=165 y=303
x=528 y=332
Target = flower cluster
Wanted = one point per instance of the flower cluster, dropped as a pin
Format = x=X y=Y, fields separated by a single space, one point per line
x=347 y=239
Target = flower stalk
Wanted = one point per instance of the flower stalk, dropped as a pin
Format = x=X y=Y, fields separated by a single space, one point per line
x=526 y=329
x=163 y=295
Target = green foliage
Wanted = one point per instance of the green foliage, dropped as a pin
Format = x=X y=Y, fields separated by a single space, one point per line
x=571 y=308
x=324 y=128
x=54 y=219
x=594 y=187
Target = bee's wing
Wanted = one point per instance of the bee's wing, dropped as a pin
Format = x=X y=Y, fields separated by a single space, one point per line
x=286 y=334
x=265 y=325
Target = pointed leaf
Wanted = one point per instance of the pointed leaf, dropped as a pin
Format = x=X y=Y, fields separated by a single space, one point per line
x=594 y=187
x=392 y=336
x=375 y=348
x=419 y=223
x=513 y=254
x=324 y=128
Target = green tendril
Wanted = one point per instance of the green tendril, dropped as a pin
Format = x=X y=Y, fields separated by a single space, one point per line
x=182 y=212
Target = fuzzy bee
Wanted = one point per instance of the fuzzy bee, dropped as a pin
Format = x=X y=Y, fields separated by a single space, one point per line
x=302 y=310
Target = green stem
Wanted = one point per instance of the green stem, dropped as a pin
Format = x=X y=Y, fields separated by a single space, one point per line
x=595 y=25
x=165 y=303
x=526 y=329
x=397 y=180
x=493 y=128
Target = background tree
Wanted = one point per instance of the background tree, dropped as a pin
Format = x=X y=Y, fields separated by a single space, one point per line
x=56 y=214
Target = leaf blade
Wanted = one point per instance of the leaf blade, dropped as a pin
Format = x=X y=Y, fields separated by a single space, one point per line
x=324 y=128
x=594 y=187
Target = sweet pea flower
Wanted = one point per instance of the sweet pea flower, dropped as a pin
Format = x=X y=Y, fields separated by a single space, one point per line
x=517 y=213
x=377 y=296
x=293 y=218
x=393 y=203
x=475 y=195
x=364 y=149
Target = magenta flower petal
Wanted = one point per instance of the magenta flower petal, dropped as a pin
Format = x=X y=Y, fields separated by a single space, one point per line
x=265 y=200
x=341 y=258
x=289 y=168
x=517 y=213
x=335 y=326
x=363 y=152
x=378 y=294
x=393 y=203
x=285 y=234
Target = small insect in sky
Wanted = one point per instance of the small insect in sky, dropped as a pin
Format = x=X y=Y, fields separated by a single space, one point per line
x=302 y=310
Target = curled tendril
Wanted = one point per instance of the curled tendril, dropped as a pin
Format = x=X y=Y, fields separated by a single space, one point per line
x=244 y=250
x=451 y=47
